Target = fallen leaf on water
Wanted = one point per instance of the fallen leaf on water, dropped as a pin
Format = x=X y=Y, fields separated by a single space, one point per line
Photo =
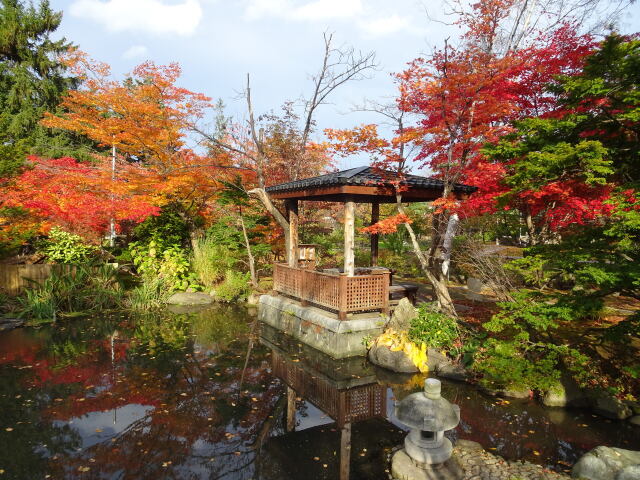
x=316 y=458
x=98 y=430
x=9 y=429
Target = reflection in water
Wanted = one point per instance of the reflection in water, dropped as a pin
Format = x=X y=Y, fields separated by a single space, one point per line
x=205 y=395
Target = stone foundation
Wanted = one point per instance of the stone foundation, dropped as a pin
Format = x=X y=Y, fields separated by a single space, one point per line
x=470 y=462
x=320 y=329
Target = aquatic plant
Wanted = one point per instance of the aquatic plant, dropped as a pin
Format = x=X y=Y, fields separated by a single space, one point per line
x=151 y=294
x=69 y=289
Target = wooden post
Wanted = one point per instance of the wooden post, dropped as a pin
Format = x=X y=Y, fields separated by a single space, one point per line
x=292 y=211
x=342 y=296
x=349 y=237
x=345 y=451
x=291 y=409
x=385 y=292
x=375 y=217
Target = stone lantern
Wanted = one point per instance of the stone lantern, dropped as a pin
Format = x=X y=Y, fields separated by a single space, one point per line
x=429 y=416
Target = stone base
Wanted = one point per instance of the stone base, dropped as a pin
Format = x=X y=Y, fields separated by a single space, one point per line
x=428 y=456
x=404 y=468
x=320 y=329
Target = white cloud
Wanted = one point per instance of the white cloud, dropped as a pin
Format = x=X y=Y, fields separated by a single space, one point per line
x=151 y=16
x=135 y=51
x=294 y=10
x=384 y=25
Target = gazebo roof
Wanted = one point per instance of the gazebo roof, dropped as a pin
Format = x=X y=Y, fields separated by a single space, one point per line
x=364 y=185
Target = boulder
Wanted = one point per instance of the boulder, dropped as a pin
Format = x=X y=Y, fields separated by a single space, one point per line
x=436 y=360
x=253 y=299
x=10 y=323
x=453 y=371
x=567 y=393
x=382 y=356
x=607 y=463
x=402 y=316
x=190 y=298
x=475 y=284
x=635 y=420
x=610 y=407
x=632 y=472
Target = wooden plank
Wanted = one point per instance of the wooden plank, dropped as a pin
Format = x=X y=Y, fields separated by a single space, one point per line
x=375 y=238
x=349 y=238
x=345 y=451
x=292 y=210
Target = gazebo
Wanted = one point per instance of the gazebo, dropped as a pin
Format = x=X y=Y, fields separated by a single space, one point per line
x=349 y=292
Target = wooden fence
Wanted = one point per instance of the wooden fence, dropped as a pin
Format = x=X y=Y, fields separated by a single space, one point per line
x=15 y=278
x=339 y=293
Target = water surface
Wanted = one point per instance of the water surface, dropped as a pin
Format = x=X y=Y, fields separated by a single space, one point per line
x=204 y=396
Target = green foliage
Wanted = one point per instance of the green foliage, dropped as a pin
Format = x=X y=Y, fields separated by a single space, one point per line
x=433 y=329
x=78 y=288
x=168 y=261
x=168 y=228
x=211 y=260
x=65 y=247
x=151 y=294
x=531 y=269
x=523 y=352
x=32 y=80
x=234 y=287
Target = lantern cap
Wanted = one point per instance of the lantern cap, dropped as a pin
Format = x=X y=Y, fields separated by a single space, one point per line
x=427 y=410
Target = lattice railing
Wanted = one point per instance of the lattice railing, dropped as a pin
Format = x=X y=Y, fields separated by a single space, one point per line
x=345 y=405
x=337 y=292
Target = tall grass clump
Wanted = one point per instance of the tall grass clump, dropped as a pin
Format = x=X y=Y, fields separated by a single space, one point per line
x=151 y=294
x=211 y=261
x=73 y=288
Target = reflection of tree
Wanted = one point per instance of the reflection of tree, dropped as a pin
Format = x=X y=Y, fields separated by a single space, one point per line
x=24 y=449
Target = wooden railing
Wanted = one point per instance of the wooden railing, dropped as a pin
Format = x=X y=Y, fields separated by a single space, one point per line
x=336 y=292
x=343 y=405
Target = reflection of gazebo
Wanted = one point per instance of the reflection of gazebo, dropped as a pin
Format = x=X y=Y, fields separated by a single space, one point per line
x=347 y=292
x=345 y=390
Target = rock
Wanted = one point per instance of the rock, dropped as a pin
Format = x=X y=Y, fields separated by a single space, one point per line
x=635 y=420
x=566 y=393
x=611 y=407
x=403 y=467
x=631 y=472
x=10 y=323
x=382 y=356
x=402 y=316
x=253 y=299
x=475 y=284
x=606 y=463
x=453 y=372
x=507 y=392
x=190 y=298
x=435 y=360
x=470 y=445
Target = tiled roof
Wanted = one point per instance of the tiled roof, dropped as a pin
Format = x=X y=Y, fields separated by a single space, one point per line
x=365 y=176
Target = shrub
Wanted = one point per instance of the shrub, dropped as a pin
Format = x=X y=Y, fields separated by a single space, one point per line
x=234 y=287
x=434 y=329
x=522 y=354
x=170 y=262
x=65 y=247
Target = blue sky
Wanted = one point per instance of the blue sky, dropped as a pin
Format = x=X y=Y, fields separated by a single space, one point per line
x=279 y=42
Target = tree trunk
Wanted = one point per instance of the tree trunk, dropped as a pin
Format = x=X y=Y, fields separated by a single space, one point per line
x=264 y=197
x=431 y=268
x=250 y=257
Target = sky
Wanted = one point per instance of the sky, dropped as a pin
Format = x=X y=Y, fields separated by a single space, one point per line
x=278 y=42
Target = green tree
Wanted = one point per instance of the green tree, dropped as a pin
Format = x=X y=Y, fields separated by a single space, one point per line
x=32 y=81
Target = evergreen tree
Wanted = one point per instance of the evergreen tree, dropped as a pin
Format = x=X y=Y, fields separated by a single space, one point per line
x=32 y=81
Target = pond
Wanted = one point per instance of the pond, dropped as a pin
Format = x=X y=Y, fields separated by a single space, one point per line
x=205 y=395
